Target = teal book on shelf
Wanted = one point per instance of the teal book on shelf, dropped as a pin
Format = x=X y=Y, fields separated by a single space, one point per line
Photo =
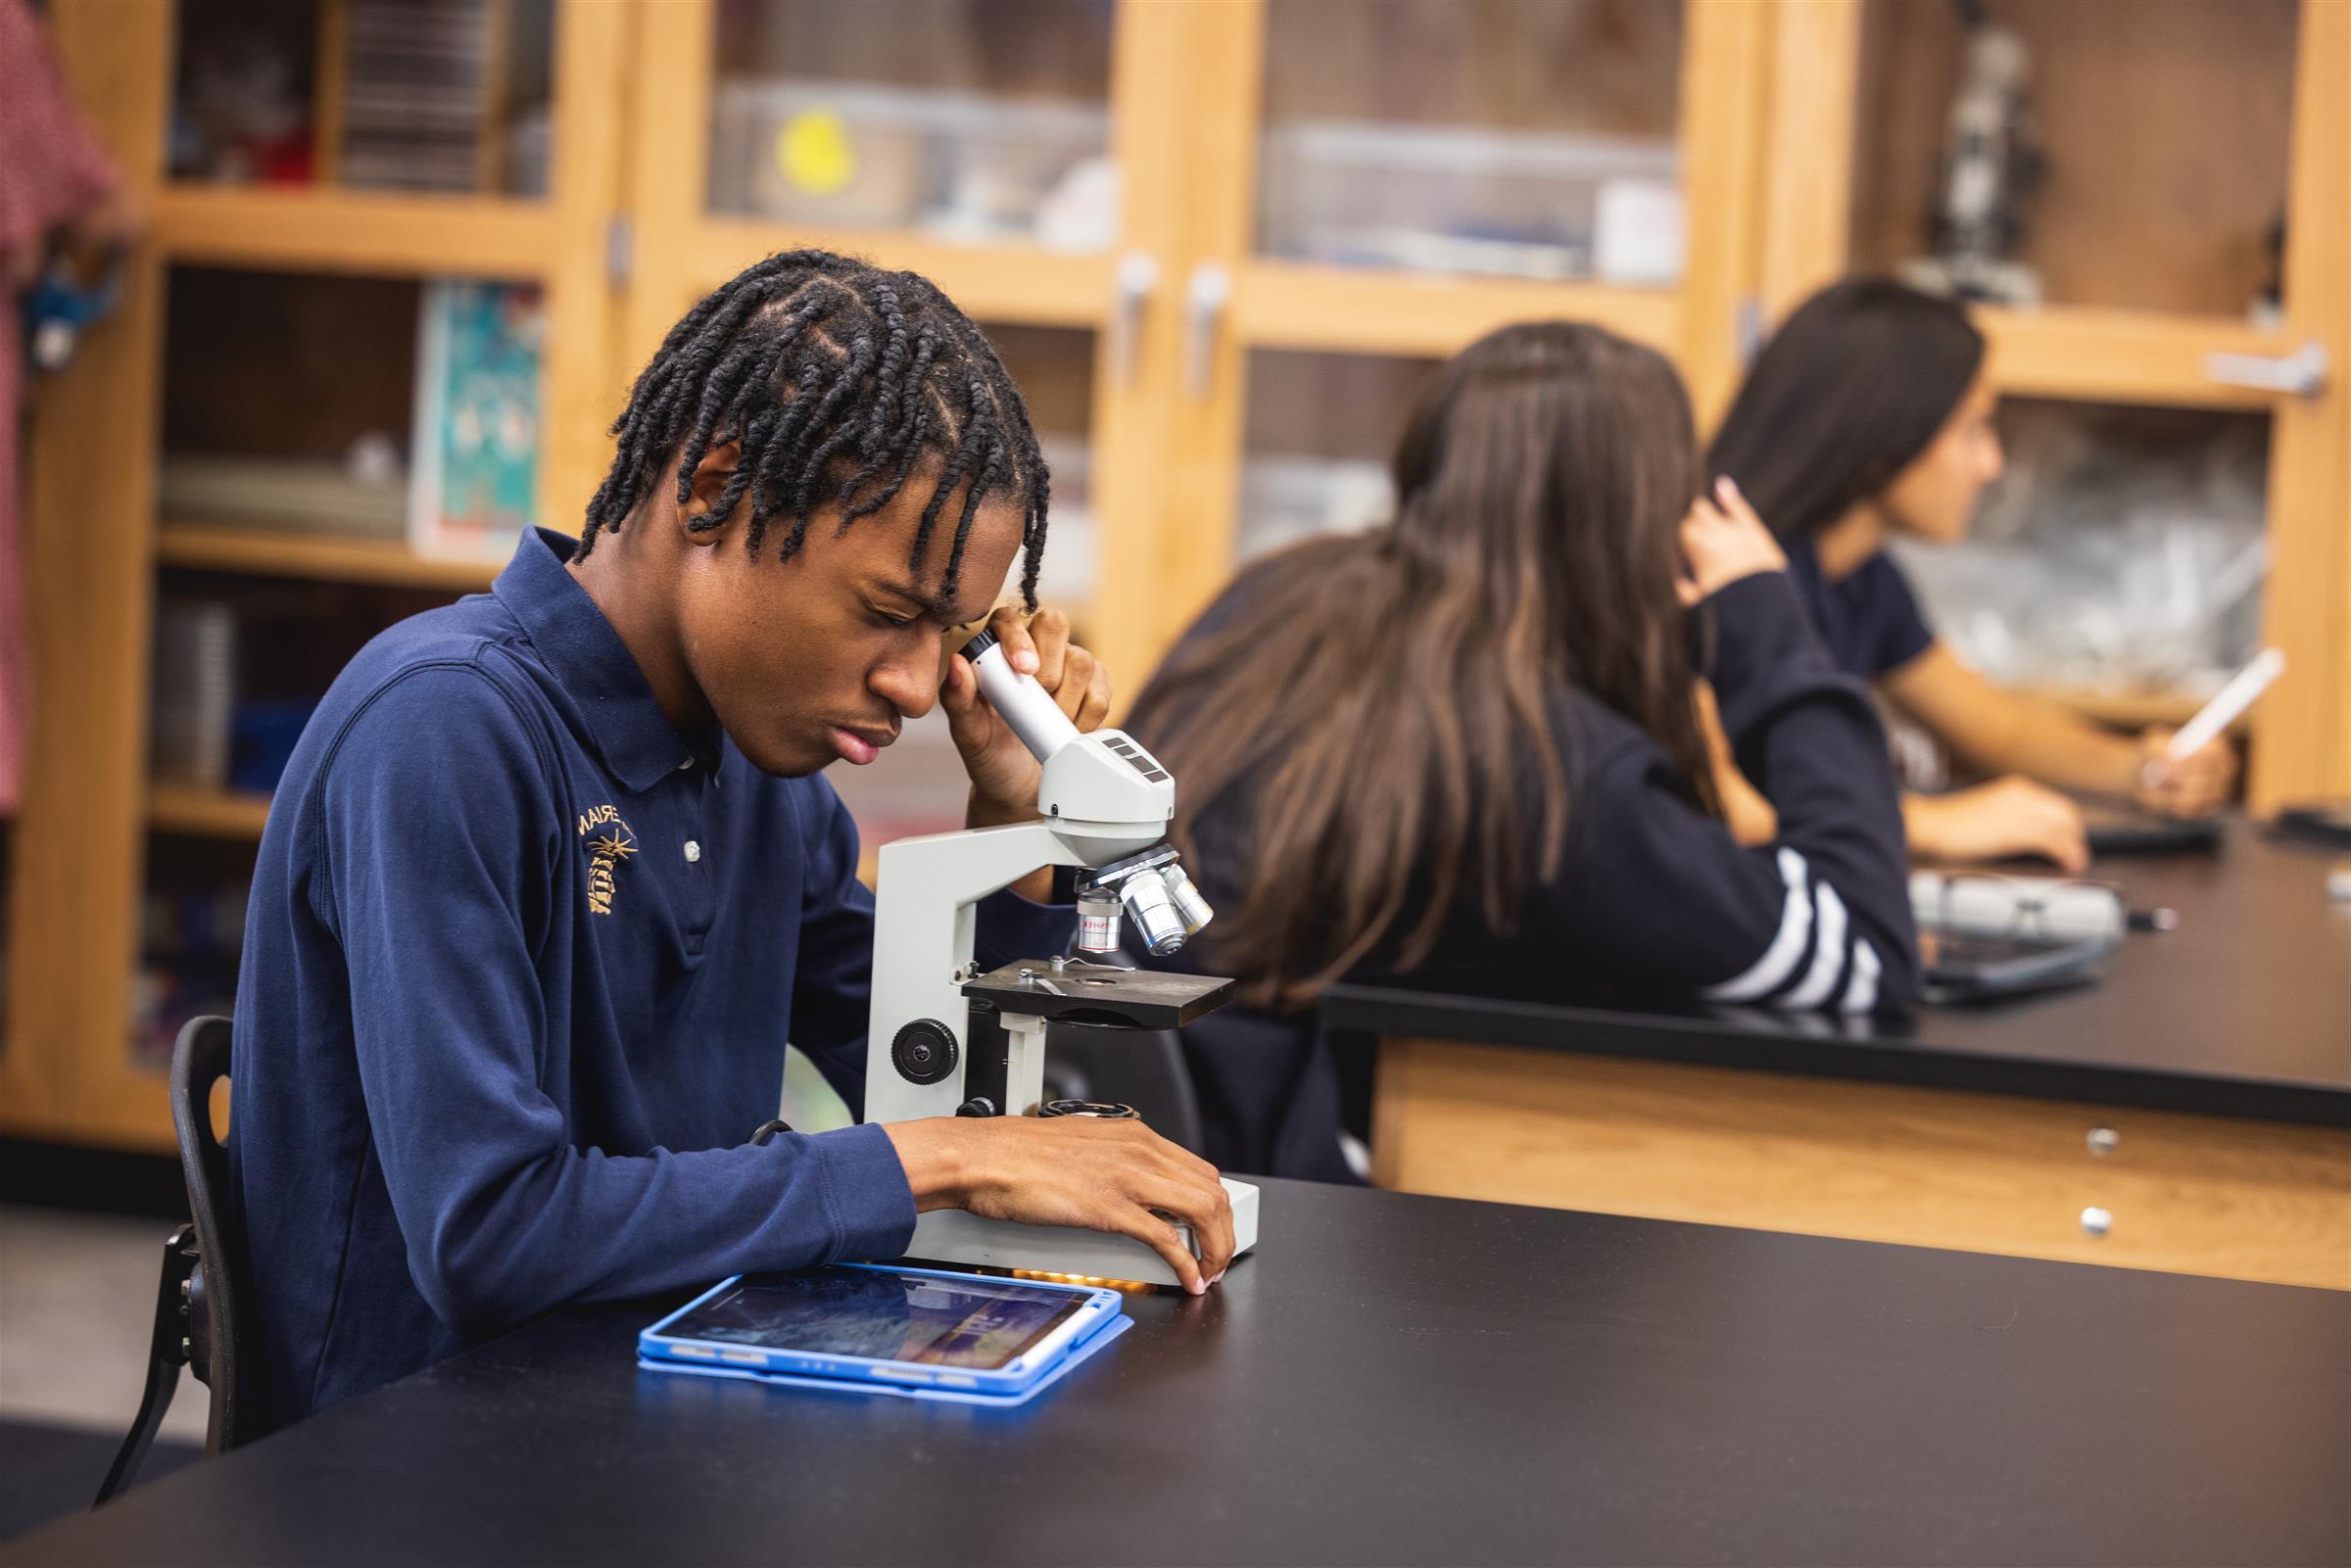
x=474 y=473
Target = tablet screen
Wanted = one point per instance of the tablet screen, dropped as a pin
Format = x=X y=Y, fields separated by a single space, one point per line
x=976 y=1323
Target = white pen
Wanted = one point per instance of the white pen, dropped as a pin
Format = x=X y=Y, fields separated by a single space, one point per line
x=2226 y=703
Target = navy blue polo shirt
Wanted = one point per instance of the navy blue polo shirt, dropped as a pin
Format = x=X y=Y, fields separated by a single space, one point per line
x=519 y=968
x=1870 y=620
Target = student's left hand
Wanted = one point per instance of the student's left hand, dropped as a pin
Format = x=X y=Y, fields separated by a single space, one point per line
x=2195 y=785
x=1004 y=776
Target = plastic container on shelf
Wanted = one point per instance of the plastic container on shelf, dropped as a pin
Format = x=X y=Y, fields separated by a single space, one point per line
x=2123 y=553
x=1465 y=199
x=962 y=166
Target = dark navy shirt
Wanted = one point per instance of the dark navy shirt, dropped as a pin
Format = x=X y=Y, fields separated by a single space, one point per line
x=1652 y=899
x=518 y=972
x=1870 y=620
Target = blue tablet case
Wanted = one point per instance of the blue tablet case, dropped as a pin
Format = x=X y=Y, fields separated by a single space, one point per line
x=1080 y=1351
x=1001 y=1383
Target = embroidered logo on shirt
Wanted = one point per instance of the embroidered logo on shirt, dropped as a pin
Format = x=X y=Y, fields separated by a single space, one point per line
x=605 y=851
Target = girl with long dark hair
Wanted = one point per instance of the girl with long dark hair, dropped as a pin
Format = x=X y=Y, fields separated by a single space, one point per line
x=1867 y=417
x=1464 y=746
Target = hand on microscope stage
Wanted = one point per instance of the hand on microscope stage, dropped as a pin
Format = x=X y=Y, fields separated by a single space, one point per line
x=1096 y=1174
x=1004 y=776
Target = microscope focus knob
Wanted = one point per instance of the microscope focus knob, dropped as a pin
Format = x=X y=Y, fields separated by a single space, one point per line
x=923 y=1051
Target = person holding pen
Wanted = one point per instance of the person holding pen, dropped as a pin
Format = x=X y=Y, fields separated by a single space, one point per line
x=1868 y=417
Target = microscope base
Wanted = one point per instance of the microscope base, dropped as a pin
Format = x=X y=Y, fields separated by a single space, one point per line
x=951 y=1236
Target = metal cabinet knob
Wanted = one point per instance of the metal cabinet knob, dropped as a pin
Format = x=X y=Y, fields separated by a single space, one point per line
x=2103 y=1140
x=2096 y=1222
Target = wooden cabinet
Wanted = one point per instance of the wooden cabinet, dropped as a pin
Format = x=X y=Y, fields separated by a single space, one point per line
x=1220 y=242
x=86 y=838
x=1339 y=240
x=2199 y=157
x=1870 y=1162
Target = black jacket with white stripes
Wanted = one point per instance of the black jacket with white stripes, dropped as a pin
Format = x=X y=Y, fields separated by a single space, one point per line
x=1653 y=898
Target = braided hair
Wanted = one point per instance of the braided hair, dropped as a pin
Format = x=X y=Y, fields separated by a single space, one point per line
x=840 y=383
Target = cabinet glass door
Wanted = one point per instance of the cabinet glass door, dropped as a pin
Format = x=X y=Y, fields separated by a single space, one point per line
x=970 y=121
x=2120 y=156
x=1510 y=138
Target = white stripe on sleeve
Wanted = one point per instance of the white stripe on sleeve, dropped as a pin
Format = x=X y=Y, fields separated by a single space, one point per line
x=1861 y=991
x=1827 y=953
x=1787 y=947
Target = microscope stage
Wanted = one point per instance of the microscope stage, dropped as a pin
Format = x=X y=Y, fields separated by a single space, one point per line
x=1142 y=999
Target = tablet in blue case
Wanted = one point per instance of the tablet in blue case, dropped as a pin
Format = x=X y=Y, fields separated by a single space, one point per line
x=861 y=1327
x=1078 y=1354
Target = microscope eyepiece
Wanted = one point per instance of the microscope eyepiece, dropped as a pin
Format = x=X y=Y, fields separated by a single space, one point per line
x=1018 y=699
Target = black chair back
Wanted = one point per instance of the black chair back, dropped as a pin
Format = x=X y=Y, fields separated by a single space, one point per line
x=198 y=1061
x=196 y=1300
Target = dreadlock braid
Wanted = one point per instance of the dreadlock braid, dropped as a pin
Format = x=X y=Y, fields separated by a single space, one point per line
x=959 y=468
x=839 y=384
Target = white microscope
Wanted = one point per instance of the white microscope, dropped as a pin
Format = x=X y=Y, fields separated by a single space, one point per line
x=944 y=1039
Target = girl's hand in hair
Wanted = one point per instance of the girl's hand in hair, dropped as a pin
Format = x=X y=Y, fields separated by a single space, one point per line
x=1724 y=540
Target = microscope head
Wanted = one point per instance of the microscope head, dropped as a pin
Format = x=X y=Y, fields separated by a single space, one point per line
x=1111 y=801
x=1103 y=778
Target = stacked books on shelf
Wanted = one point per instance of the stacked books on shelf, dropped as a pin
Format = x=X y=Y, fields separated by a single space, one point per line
x=208 y=732
x=195 y=692
x=467 y=485
x=416 y=94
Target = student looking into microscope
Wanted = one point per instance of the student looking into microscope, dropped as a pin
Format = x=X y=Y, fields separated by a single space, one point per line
x=554 y=875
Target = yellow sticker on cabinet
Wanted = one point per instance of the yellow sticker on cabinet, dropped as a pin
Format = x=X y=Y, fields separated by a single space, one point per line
x=814 y=152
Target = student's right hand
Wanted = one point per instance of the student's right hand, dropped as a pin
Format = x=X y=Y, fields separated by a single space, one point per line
x=1085 y=1172
x=2008 y=817
x=1724 y=540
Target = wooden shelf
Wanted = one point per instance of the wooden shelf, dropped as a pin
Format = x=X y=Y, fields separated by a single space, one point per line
x=310 y=228
x=1298 y=304
x=1019 y=283
x=205 y=812
x=279 y=552
x=2137 y=357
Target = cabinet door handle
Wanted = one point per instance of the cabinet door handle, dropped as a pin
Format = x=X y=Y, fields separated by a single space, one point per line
x=1130 y=291
x=1204 y=305
x=2302 y=373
